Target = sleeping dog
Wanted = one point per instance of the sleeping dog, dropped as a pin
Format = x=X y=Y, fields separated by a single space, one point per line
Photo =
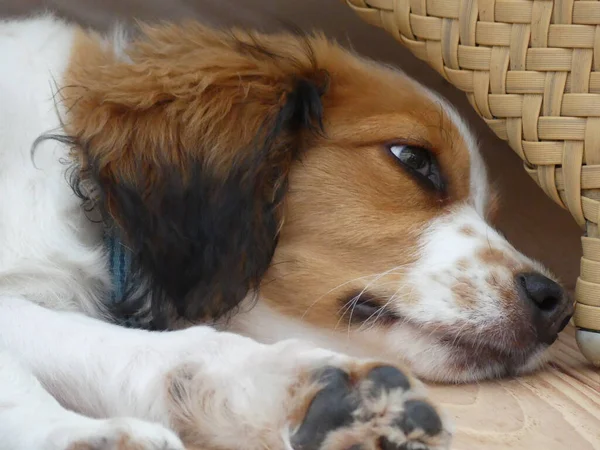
x=302 y=220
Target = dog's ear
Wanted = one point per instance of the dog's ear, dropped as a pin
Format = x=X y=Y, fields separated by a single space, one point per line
x=192 y=160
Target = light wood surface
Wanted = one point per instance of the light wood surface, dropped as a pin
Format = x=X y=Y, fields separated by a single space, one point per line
x=557 y=408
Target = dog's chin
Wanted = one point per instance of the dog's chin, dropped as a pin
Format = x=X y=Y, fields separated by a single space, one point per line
x=467 y=363
x=445 y=359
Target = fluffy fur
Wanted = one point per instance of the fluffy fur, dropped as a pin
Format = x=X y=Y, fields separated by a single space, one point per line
x=250 y=178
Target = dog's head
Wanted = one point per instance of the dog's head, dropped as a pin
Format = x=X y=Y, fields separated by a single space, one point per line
x=344 y=194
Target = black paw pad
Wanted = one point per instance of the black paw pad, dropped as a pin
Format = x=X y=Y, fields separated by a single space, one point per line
x=420 y=415
x=386 y=444
x=387 y=378
x=331 y=409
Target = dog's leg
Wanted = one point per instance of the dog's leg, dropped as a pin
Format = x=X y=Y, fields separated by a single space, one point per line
x=220 y=390
x=31 y=419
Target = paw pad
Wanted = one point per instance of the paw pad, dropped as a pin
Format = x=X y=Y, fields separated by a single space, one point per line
x=373 y=410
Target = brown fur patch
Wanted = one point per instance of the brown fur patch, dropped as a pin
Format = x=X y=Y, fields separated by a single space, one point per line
x=467 y=230
x=465 y=293
x=493 y=256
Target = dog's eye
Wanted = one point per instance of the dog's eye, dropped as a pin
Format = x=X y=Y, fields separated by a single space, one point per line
x=421 y=164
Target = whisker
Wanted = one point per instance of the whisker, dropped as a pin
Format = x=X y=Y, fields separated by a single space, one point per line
x=332 y=290
x=394 y=270
x=380 y=310
x=381 y=275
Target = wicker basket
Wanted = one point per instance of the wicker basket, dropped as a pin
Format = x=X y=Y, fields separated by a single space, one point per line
x=531 y=69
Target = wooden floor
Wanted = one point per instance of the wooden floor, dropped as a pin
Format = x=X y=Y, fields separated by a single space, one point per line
x=556 y=409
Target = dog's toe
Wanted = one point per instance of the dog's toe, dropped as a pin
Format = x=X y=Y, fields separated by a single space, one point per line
x=420 y=416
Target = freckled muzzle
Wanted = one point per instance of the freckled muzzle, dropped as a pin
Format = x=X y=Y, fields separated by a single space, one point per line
x=483 y=307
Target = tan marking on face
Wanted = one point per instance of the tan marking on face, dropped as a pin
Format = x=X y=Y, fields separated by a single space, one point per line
x=465 y=293
x=467 y=230
x=493 y=256
x=500 y=261
x=500 y=278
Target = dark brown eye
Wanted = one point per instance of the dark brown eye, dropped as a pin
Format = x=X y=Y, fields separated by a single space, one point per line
x=421 y=164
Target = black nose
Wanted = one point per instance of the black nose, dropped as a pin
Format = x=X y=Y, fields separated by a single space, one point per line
x=551 y=308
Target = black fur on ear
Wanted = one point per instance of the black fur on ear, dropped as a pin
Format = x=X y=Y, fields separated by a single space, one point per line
x=200 y=246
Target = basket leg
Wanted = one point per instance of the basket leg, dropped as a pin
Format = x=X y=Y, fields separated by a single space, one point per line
x=589 y=344
x=587 y=294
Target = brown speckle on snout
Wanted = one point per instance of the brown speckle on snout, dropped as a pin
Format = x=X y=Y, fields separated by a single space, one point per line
x=465 y=293
x=467 y=230
x=494 y=257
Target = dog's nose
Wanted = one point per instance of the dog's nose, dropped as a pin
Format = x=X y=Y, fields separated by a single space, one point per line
x=551 y=308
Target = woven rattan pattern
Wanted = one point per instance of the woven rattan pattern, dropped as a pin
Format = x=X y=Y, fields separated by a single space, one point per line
x=531 y=69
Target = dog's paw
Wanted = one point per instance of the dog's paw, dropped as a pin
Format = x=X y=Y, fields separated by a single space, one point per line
x=365 y=406
x=113 y=434
x=291 y=395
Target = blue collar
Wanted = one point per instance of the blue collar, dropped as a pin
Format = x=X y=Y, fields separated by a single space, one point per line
x=119 y=263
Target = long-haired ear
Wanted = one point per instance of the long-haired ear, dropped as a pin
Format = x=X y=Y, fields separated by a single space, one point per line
x=196 y=192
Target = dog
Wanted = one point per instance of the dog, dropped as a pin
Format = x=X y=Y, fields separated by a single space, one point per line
x=229 y=239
